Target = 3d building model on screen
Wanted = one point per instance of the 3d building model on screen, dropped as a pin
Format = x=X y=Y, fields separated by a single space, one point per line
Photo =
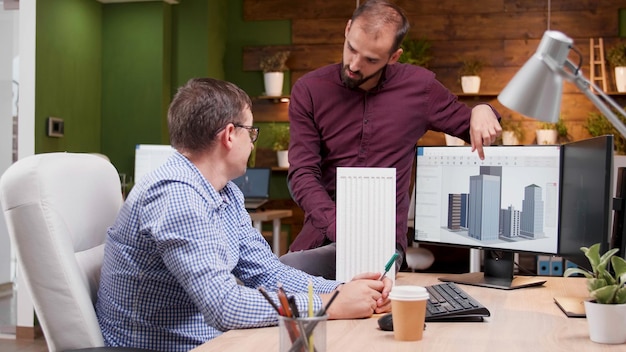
x=479 y=215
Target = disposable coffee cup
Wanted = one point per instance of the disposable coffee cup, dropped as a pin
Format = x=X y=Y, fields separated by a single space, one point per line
x=302 y=334
x=408 y=308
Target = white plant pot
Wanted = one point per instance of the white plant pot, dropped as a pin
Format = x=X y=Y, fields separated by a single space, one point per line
x=607 y=322
x=470 y=84
x=546 y=136
x=273 y=83
x=509 y=138
x=620 y=78
x=452 y=140
x=283 y=159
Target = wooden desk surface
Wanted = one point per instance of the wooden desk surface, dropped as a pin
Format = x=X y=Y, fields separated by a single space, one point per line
x=521 y=320
x=267 y=215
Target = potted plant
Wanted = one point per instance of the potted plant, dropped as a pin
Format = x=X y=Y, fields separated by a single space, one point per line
x=415 y=52
x=616 y=56
x=512 y=131
x=274 y=66
x=608 y=295
x=280 y=131
x=470 y=75
x=598 y=125
x=551 y=133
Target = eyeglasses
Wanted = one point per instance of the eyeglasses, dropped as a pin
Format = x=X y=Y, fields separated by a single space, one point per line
x=252 y=130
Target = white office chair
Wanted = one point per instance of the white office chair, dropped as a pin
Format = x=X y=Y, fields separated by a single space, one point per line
x=417 y=258
x=58 y=207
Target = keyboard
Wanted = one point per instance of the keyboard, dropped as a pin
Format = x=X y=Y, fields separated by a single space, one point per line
x=448 y=302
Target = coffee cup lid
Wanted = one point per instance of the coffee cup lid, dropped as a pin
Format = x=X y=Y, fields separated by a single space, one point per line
x=408 y=293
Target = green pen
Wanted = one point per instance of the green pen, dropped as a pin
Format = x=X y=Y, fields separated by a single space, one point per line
x=388 y=266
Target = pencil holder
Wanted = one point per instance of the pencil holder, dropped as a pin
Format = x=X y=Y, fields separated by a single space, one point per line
x=302 y=334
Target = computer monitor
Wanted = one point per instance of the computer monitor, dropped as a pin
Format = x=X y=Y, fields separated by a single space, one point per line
x=506 y=203
x=586 y=197
x=534 y=199
x=618 y=234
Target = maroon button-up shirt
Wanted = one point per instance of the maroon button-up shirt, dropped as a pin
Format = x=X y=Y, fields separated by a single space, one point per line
x=334 y=126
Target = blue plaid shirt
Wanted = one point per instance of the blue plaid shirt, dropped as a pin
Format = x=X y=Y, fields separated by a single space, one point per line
x=172 y=260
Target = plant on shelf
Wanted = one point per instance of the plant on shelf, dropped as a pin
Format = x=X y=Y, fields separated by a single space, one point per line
x=598 y=125
x=471 y=67
x=606 y=308
x=415 y=52
x=280 y=131
x=273 y=65
x=560 y=133
x=513 y=126
x=616 y=56
x=470 y=74
x=274 y=61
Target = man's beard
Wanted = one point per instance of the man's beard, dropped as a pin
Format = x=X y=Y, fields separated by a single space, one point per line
x=353 y=83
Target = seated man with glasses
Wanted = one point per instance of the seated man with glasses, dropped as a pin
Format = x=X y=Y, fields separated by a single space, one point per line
x=182 y=262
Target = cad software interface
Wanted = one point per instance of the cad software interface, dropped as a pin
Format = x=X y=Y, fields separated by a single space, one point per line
x=509 y=200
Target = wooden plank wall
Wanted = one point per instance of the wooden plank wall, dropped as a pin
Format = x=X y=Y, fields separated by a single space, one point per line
x=505 y=33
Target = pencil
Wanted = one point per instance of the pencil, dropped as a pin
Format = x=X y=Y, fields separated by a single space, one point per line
x=310 y=298
x=269 y=299
x=388 y=265
x=310 y=342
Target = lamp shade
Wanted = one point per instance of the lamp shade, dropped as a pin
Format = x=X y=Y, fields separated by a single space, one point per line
x=535 y=90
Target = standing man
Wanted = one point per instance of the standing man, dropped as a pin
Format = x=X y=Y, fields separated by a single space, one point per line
x=368 y=111
x=182 y=263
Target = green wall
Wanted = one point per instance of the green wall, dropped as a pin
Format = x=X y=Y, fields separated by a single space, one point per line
x=135 y=78
x=110 y=70
x=68 y=80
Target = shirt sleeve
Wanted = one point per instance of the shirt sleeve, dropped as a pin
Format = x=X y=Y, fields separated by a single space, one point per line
x=305 y=159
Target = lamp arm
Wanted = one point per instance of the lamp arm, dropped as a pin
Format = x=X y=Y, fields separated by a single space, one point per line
x=584 y=85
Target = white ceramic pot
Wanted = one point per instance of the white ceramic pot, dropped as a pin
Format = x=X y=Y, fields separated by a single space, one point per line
x=470 y=84
x=452 y=140
x=283 y=158
x=546 y=136
x=607 y=322
x=273 y=83
x=509 y=138
x=620 y=78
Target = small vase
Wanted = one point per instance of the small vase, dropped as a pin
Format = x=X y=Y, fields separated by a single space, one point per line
x=620 y=78
x=452 y=140
x=470 y=84
x=273 y=83
x=606 y=322
x=546 y=136
x=509 y=138
x=283 y=158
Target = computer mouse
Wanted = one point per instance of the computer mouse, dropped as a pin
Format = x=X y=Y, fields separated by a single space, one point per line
x=385 y=322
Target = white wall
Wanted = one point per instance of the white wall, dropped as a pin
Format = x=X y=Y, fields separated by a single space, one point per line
x=9 y=50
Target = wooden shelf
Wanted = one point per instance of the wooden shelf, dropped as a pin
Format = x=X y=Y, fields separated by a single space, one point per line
x=477 y=95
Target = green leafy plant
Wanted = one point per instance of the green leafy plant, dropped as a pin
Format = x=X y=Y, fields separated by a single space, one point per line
x=598 y=125
x=415 y=52
x=274 y=61
x=604 y=287
x=616 y=55
x=471 y=67
x=280 y=131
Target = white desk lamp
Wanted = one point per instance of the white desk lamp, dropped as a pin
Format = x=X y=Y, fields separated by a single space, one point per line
x=535 y=90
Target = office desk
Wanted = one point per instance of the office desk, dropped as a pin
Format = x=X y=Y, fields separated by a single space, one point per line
x=258 y=217
x=521 y=320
